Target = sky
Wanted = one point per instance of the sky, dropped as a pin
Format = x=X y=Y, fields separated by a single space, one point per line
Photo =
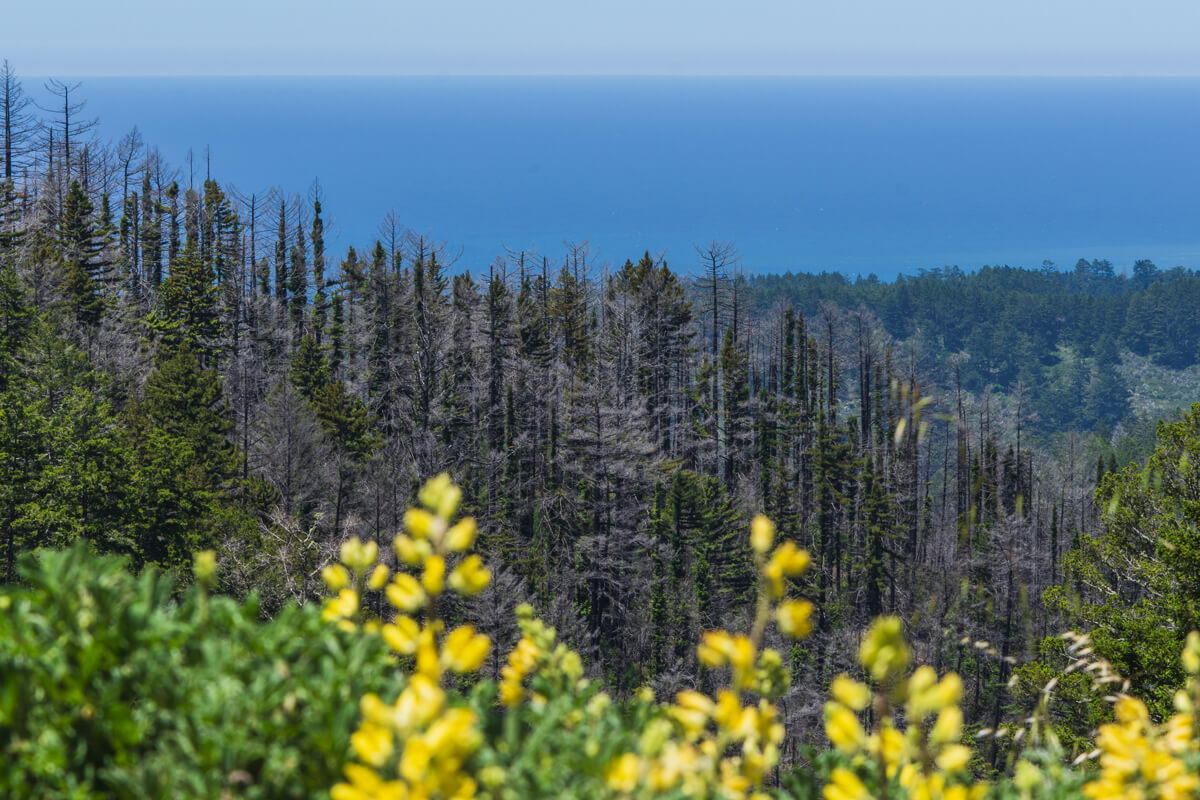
x=602 y=37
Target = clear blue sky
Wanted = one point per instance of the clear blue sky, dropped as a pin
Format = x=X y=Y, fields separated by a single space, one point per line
x=682 y=37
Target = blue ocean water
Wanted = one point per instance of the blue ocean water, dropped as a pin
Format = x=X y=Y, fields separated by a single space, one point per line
x=854 y=175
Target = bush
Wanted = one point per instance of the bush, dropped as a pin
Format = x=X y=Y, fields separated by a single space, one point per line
x=123 y=686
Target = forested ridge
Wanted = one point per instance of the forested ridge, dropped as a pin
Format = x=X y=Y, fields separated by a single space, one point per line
x=184 y=366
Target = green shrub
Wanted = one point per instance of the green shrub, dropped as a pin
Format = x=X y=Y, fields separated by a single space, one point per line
x=113 y=685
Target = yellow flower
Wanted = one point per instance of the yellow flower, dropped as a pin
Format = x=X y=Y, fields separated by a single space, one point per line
x=883 y=651
x=1026 y=776
x=405 y=593
x=845 y=785
x=411 y=551
x=375 y=709
x=461 y=536
x=415 y=761
x=336 y=577
x=433 y=578
x=692 y=710
x=794 y=618
x=787 y=561
x=714 y=649
x=850 y=692
x=378 y=578
x=358 y=556
x=727 y=712
x=340 y=607
x=428 y=663
x=464 y=650
x=511 y=692
x=452 y=732
x=364 y=784
x=421 y=701
x=470 y=577
x=762 y=534
x=401 y=635
x=372 y=743
x=1191 y=654
x=954 y=758
x=204 y=566
x=741 y=657
x=948 y=727
x=441 y=496
x=430 y=494
x=1131 y=710
x=420 y=523
x=843 y=728
x=622 y=773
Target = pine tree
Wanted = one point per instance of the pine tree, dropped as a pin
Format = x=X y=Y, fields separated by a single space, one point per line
x=188 y=318
x=281 y=254
x=82 y=256
x=320 y=300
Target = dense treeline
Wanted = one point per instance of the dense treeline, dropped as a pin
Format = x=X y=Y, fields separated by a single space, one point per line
x=1059 y=333
x=185 y=366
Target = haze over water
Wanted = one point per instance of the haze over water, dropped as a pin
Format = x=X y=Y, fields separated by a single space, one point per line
x=854 y=175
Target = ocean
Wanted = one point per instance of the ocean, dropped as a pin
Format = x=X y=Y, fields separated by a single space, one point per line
x=853 y=175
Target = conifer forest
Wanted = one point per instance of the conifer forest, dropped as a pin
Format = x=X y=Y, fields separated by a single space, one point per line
x=990 y=457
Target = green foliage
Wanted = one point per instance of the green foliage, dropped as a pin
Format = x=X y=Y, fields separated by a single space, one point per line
x=558 y=748
x=115 y=686
x=1075 y=708
x=1135 y=583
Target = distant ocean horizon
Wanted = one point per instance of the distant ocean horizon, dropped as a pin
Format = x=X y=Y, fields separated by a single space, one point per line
x=850 y=175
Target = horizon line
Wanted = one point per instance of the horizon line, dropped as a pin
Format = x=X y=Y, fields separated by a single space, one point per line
x=700 y=75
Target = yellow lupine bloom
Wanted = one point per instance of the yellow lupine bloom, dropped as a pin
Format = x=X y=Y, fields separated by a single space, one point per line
x=378 y=578
x=430 y=494
x=461 y=536
x=470 y=577
x=883 y=651
x=788 y=561
x=375 y=710
x=433 y=578
x=464 y=650
x=741 y=658
x=373 y=743
x=405 y=593
x=452 y=732
x=714 y=649
x=845 y=785
x=401 y=635
x=340 y=607
x=448 y=504
x=336 y=577
x=511 y=692
x=762 y=534
x=411 y=551
x=428 y=663
x=794 y=618
x=420 y=523
x=420 y=702
x=692 y=710
x=414 y=763
x=954 y=758
x=948 y=727
x=1191 y=654
x=359 y=556
x=727 y=712
x=622 y=773
x=850 y=692
x=364 y=784
x=844 y=730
